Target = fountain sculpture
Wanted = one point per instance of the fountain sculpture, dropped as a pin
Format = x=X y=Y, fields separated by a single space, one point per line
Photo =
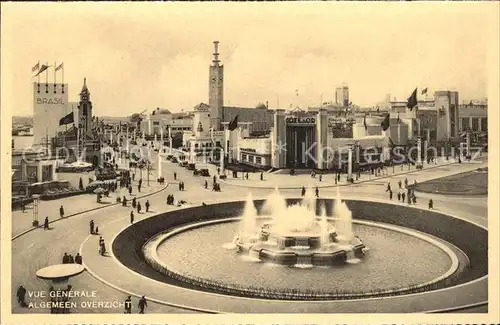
x=296 y=236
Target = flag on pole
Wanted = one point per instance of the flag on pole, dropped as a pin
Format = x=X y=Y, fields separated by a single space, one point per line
x=364 y=123
x=68 y=119
x=424 y=91
x=385 y=123
x=35 y=67
x=60 y=66
x=233 y=124
x=412 y=100
x=42 y=69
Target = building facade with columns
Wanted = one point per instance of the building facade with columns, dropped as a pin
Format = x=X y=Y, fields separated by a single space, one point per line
x=474 y=116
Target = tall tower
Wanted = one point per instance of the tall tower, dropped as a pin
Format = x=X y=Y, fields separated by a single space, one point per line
x=216 y=90
x=85 y=110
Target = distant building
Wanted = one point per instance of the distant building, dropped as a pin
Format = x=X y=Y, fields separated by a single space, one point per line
x=342 y=96
x=50 y=104
x=438 y=117
x=474 y=116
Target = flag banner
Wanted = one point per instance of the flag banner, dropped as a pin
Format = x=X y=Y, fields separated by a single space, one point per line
x=42 y=69
x=412 y=100
x=233 y=124
x=68 y=119
x=424 y=91
x=385 y=123
x=364 y=123
x=60 y=66
x=35 y=67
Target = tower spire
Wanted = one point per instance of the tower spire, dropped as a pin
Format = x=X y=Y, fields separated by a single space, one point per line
x=216 y=60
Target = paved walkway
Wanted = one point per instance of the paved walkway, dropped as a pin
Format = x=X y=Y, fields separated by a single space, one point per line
x=22 y=221
x=285 y=181
x=40 y=248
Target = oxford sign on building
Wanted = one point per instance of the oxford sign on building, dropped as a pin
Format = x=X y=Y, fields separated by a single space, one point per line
x=300 y=120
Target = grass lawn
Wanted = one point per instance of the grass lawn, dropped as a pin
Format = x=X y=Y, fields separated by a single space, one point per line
x=469 y=183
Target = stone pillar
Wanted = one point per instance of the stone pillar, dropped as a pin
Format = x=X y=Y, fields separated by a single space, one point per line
x=159 y=165
x=467 y=143
x=278 y=141
x=349 y=164
x=419 y=153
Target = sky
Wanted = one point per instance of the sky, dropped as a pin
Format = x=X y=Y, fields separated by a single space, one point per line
x=139 y=56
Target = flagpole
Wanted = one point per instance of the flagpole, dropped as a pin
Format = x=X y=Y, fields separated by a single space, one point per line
x=47 y=78
x=38 y=77
x=55 y=76
x=62 y=77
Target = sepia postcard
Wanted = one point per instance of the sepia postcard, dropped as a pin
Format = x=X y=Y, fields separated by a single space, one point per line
x=249 y=163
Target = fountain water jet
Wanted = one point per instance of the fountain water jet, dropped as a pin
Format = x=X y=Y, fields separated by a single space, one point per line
x=295 y=236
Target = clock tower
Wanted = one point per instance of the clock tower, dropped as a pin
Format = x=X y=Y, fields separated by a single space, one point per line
x=85 y=110
x=216 y=90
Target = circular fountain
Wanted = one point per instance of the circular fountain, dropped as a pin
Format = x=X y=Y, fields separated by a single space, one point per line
x=296 y=236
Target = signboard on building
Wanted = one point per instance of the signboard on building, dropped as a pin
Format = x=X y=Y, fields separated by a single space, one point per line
x=295 y=120
x=50 y=104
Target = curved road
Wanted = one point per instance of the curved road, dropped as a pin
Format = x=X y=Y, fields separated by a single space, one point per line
x=39 y=248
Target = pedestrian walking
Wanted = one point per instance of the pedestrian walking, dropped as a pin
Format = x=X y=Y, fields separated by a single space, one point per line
x=388 y=187
x=403 y=197
x=414 y=199
x=21 y=296
x=128 y=305
x=400 y=184
x=206 y=184
x=133 y=176
x=390 y=195
x=130 y=190
x=218 y=171
x=175 y=176
x=261 y=176
x=140 y=183
x=96 y=230
x=399 y=196
x=406 y=182
x=147 y=205
x=215 y=179
x=320 y=177
x=132 y=217
x=124 y=201
x=180 y=186
x=246 y=176
x=91 y=225
x=142 y=304
x=317 y=191
x=134 y=202
x=138 y=207
x=46 y=223
x=303 y=193
x=23 y=207
x=431 y=204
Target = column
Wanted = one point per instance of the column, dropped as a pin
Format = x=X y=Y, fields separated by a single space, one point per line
x=159 y=165
x=170 y=139
x=349 y=164
x=419 y=152
x=467 y=143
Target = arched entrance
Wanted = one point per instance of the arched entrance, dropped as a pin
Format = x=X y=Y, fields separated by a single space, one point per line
x=95 y=161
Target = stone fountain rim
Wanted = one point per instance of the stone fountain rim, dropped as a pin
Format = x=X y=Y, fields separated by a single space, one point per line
x=153 y=259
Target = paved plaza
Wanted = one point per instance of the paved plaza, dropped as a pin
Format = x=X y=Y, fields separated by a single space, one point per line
x=36 y=249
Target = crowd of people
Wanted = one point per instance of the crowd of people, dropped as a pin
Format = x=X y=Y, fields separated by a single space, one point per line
x=69 y=259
